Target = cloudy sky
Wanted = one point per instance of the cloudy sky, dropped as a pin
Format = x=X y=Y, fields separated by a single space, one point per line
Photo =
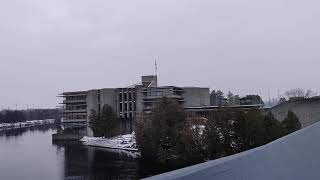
x=246 y=46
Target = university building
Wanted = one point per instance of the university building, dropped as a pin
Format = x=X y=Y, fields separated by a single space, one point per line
x=130 y=101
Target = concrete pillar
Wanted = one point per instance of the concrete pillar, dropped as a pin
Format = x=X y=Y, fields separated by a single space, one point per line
x=122 y=102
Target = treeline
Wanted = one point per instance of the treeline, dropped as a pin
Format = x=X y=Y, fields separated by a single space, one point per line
x=106 y=123
x=13 y=116
x=168 y=136
x=219 y=98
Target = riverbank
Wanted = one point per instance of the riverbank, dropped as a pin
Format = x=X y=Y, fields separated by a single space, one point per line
x=124 y=142
x=9 y=126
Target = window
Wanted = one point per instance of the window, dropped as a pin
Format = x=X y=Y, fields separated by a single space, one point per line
x=120 y=96
x=120 y=107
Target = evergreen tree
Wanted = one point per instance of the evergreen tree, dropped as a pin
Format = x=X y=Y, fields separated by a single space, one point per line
x=291 y=123
x=105 y=122
x=233 y=99
x=190 y=145
x=218 y=134
x=164 y=135
x=147 y=137
x=170 y=118
x=272 y=127
x=216 y=97
x=249 y=130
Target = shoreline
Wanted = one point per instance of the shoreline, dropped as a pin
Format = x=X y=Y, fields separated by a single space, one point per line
x=125 y=143
x=18 y=125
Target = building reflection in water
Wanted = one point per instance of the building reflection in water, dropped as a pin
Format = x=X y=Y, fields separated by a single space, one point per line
x=82 y=163
x=16 y=133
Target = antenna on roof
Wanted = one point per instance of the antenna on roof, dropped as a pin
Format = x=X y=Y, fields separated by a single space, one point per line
x=156 y=68
x=155 y=80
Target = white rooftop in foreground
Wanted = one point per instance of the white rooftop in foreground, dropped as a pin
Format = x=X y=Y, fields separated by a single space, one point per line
x=294 y=157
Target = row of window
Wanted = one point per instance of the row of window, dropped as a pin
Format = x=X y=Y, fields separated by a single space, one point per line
x=162 y=93
x=127 y=115
x=77 y=117
x=76 y=107
x=127 y=96
x=126 y=108
x=75 y=98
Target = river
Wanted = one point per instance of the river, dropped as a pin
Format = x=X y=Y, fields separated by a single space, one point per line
x=30 y=154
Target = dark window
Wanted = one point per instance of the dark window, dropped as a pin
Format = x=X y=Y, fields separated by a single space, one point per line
x=120 y=107
x=120 y=97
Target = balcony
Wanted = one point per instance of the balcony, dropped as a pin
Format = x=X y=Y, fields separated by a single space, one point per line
x=64 y=120
x=161 y=96
x=74 y=110
x=74 y=101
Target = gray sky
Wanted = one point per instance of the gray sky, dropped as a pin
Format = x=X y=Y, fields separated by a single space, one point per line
x=246 y=46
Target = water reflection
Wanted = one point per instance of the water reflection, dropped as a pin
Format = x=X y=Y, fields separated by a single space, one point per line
x=81 y=162
x=32 y=152
x=15 y=133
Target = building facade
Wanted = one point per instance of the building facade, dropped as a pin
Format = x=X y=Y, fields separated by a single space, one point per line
x=131 y=101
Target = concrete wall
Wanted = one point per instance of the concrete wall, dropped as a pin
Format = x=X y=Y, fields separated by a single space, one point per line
x=195 y=97
x=139 y=100
x=149 y=81
x=307 y=110
x=92 y=101
x=108 y=96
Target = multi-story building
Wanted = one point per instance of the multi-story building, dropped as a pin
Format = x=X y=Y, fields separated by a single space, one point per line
x=130 y=101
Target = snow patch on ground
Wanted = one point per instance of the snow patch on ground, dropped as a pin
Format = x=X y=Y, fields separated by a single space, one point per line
x=124 y=143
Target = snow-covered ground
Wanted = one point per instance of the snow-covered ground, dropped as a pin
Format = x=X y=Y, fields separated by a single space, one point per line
x=8 y=126
x=124 y=142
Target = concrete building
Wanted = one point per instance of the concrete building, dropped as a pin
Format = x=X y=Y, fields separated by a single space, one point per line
x=307 y=110
x=251 y=100
x=130 y=101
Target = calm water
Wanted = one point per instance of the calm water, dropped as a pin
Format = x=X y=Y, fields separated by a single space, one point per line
x=29 y=154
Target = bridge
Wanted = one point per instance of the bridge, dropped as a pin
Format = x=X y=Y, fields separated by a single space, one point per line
x=294 y=157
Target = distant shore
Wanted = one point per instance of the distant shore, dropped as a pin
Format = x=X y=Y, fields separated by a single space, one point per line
x=9 y=126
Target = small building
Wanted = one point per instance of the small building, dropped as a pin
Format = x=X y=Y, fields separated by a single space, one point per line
x=251 y=100
x=306 y=109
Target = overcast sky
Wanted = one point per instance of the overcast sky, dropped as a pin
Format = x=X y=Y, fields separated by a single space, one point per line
x=246 y=46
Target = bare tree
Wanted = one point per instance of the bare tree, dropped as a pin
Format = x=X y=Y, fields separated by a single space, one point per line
x=299 y=93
